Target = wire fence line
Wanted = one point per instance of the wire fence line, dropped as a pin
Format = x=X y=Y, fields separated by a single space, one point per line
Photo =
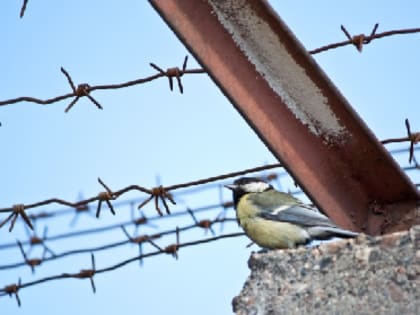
x=175 y=73
x=143 y=220
x=159 y=193
x=172 y=249
x=140 y=240
x=77 y=211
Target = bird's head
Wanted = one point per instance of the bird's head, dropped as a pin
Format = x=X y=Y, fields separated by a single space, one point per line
x=246 y=185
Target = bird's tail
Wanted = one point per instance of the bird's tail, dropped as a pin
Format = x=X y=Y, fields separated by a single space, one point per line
x=325 y=232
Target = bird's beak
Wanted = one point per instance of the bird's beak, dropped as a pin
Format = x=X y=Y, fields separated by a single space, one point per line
x=231 y=187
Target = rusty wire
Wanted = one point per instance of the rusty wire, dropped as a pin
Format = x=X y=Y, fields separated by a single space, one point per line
x=157 y=193
x=130 y=239
x=84 y=89
x=186 y=191
x=85 y=207
x=142 y=220
x=360 y=40
x=136 y=222
x=171 y=249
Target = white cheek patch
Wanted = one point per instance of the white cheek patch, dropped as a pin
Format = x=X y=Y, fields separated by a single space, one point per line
x=255 y=187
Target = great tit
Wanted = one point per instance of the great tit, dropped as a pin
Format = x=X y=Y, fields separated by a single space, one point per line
x=274 y=220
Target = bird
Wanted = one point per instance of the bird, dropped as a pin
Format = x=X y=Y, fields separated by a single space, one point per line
x=277 y=220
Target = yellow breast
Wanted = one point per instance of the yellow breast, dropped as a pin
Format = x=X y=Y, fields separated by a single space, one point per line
x=268 y=233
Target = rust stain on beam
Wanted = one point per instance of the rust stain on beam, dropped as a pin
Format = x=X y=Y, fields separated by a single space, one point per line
x=295 y=109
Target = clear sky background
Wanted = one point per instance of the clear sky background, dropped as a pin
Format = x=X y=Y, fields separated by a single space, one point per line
x=147 y=135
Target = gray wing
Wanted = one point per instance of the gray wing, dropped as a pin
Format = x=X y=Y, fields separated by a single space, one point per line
x=316 y=224
x=300 y=214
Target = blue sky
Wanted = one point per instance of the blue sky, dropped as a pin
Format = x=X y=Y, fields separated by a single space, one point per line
x=147 y=131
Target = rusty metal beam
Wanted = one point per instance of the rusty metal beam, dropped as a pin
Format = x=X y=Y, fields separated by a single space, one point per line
x=295 y=109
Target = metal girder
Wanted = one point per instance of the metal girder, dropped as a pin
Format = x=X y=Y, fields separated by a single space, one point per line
x=296 y=110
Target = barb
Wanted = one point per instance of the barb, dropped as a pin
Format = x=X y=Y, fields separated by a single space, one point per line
x=88 y=273
x=413 y=138
x=32 y=263
x=85 y=89
x=205 y=224
x=12 y=289
x=36 y=240
x=159 y=193
x=173 y=248
x=81 y=90
x=106 y=196
x=360 y=40
x=23 y=9
x=171 y=73
x=17 y=210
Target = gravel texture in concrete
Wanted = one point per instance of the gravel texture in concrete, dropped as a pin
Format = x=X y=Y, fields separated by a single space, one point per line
x=365 y=275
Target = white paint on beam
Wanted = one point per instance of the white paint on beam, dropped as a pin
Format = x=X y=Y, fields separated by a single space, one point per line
x=288 y=80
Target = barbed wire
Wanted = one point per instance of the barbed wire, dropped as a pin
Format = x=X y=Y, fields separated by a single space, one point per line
x=144 y=220
x=171 y=249
x=84 y=89
x=360 y=40
x=139 y=240
x=159 y=193
x=75 y=211
x=34 y=240
x=80 y=206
